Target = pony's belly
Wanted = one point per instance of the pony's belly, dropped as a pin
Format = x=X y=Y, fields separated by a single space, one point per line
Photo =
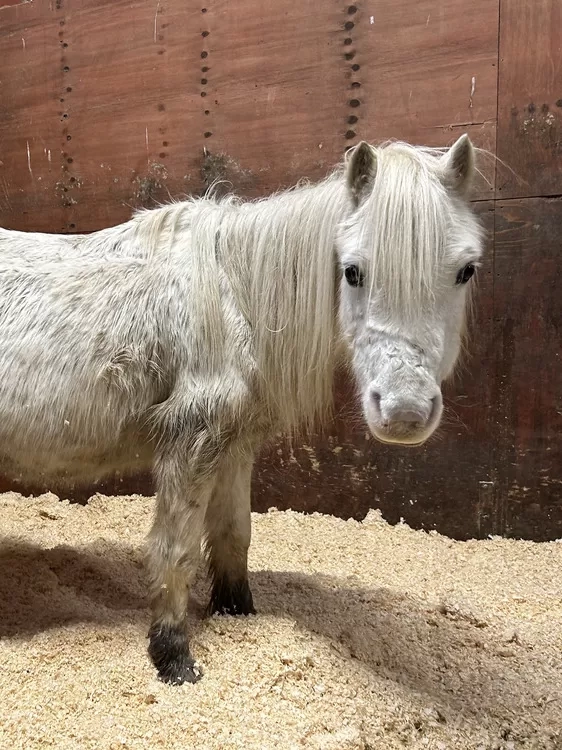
x=74 y=466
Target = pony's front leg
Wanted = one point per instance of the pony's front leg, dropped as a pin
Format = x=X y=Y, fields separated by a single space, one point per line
x=228 y=532
x=174 y=547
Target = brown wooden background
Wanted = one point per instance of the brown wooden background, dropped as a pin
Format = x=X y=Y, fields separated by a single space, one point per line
x=107 y=105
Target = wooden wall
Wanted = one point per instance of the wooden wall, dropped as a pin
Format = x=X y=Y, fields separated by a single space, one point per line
x=108 y=105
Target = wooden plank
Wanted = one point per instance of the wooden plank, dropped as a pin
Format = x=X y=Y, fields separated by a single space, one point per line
x=133 y=109
x=530 y=98
x=339 y=83
x=528 y=460
x=145 y=81
x=30 y=128
x=134 y=112
x=112 y=99
x=274 y=91
x=426 y=72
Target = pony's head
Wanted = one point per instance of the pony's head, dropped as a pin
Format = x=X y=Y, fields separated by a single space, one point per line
x=407 y=252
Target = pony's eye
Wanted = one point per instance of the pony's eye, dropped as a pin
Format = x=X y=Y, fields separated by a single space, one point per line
x=353 y=276
x=464 y=276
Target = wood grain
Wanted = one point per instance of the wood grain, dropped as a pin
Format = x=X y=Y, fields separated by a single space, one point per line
x=530 y=98
x=134 y=112
x=528 y=387
x=12 y=3
x=426 y=75
x=30 y=126
x=114 y=98
x=275 y=92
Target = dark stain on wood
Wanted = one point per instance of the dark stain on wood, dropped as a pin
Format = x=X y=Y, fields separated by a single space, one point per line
x=222 y=174
x=530 y=127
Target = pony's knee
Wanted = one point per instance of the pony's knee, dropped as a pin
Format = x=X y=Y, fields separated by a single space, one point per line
x=169 y=591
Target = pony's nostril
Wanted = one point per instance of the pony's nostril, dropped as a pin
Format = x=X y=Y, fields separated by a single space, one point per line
x=436 y=402
x=376 y=401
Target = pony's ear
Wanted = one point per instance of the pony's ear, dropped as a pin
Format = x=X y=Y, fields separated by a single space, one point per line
x=458 y=165
x=361 y=171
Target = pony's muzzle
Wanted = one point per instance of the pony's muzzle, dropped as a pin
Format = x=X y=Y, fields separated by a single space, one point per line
x=405 y=420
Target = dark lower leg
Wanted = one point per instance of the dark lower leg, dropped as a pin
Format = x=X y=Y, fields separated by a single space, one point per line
x=169 y=651
x=228 y=539
x=231 y=595
x=173 y=558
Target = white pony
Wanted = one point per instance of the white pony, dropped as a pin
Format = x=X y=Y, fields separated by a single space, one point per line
x=184 y=338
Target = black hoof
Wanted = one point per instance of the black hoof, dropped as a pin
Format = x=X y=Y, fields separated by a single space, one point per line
x=231 y=598
x=169 y=650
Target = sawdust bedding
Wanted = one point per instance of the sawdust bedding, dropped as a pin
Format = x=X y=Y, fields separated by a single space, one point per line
x=368 y=636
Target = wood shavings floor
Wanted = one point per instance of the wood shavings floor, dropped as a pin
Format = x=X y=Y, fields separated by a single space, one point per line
x=367 y=636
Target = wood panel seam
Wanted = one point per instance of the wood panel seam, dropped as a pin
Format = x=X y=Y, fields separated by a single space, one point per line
x=350 y=54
